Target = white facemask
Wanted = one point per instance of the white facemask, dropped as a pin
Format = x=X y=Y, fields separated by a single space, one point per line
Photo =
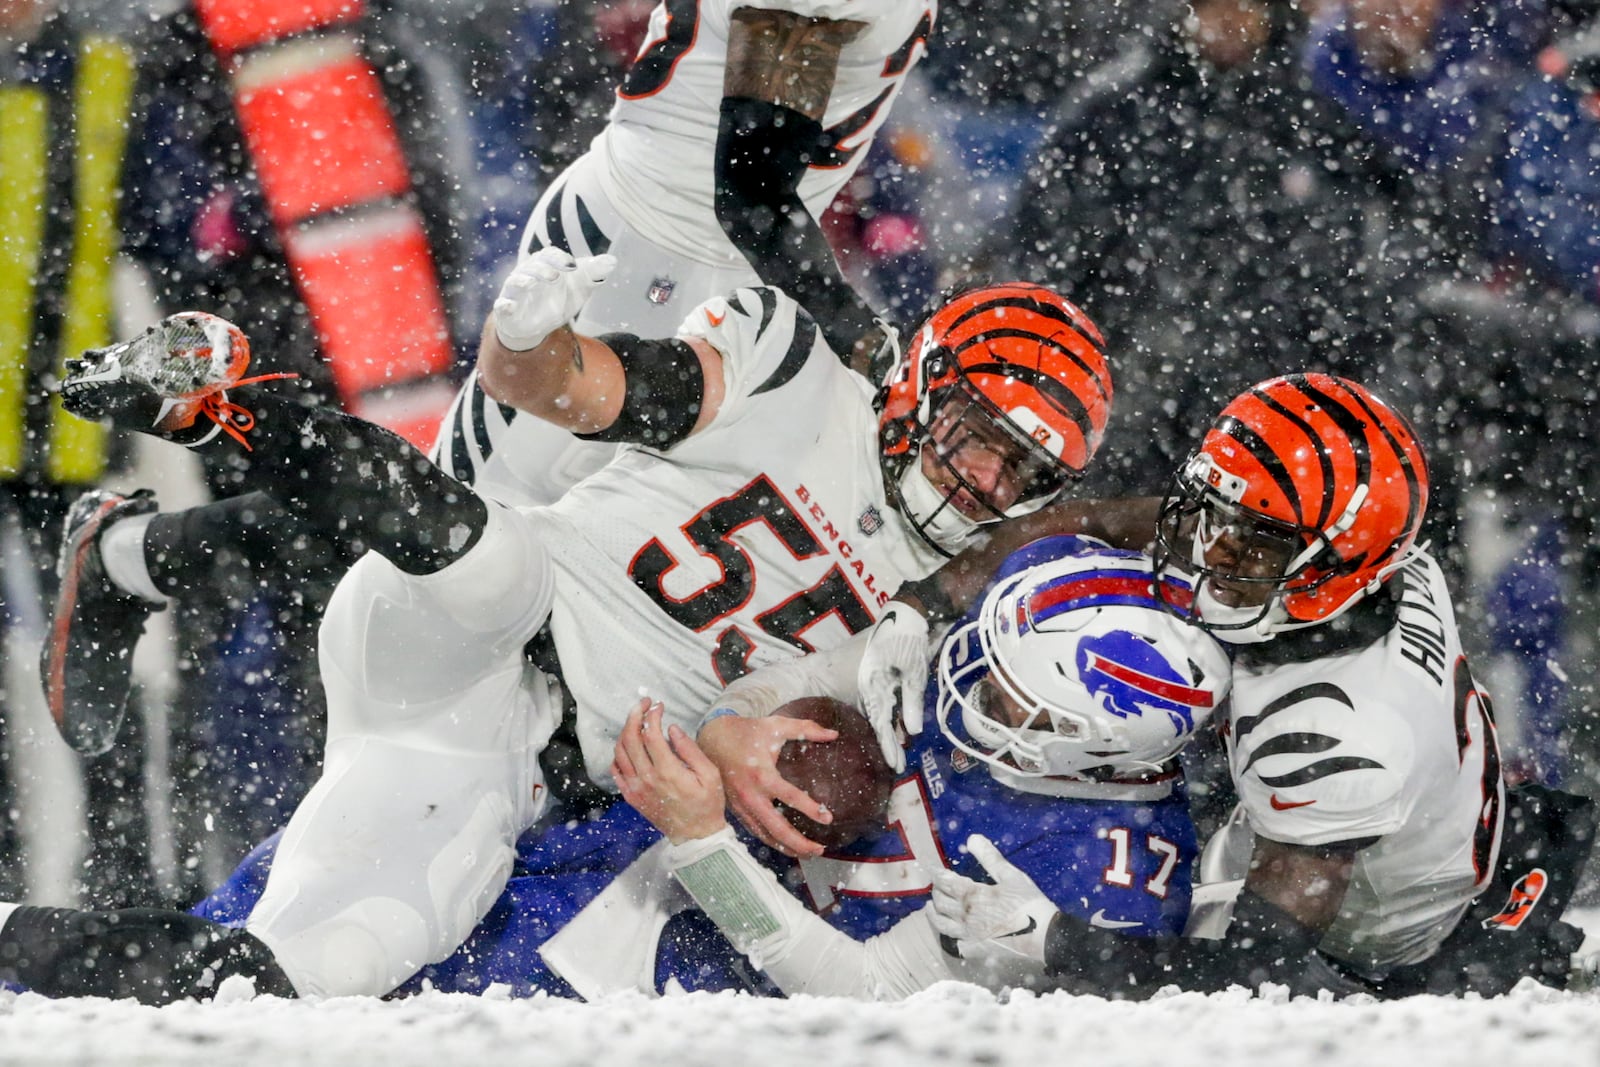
x=926 y=506
x=1209 y=609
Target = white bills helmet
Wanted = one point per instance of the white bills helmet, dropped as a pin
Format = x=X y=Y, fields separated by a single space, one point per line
x=1075 y=668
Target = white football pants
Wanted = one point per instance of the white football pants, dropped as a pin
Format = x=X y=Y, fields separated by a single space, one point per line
x=431 y=770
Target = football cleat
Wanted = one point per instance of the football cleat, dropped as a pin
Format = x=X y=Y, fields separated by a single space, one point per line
x=86 y=666
x=164 y=380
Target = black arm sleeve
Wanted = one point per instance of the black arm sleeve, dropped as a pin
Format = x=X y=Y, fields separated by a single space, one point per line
x=1263 y=944
x=662 y=394
x=763 y=149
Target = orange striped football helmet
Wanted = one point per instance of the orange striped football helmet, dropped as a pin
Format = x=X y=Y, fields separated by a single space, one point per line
x=1306 y=494
x=1013 y=375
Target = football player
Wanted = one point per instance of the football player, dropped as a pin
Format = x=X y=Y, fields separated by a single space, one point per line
x=1061 y=702
x=765 y=509
x=1373 y=848
x=733 y=130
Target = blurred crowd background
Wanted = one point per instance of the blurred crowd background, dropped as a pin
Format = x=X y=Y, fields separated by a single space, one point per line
x=1400 y=191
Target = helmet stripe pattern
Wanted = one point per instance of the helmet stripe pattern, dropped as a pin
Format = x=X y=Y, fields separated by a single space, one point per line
x=1324 y=464
x=1028 y=335
x=1065 y=314
x=1349 y=423
x=1157 y=687
x=1416 y=480
x=1016 y=358
x=1063 y=397
x=1264 y=454
x=1069 y=342
x=1098 y=589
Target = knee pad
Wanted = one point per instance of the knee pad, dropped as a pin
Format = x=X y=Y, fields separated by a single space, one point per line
x=366 y=950
x=344 y=926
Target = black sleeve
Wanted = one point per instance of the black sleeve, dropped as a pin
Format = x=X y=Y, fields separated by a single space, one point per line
x=763 y=150
x=1262 y=944
x=662 y=395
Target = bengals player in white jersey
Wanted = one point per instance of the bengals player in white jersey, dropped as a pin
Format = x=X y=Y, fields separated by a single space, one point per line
x=733 y=130
x=1370 y=851
x=763 y=507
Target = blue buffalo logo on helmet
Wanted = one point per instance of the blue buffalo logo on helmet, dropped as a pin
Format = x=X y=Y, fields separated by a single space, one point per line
x=1130 y=676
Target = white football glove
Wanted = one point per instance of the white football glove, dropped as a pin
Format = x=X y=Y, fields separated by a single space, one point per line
x=1012 y=915
x=544 y=293
x=892 y=676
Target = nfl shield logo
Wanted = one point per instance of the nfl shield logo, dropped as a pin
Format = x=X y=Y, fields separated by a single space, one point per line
x=661 y=290
x=871 y=520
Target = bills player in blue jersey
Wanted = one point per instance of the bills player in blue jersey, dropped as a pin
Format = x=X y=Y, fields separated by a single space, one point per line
x=1101 y=818
x=1062 y=700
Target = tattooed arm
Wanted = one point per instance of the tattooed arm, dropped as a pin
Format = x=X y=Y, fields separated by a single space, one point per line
x=780 y=73
x=786 y=59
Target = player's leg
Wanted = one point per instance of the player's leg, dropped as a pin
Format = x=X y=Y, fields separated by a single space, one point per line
x=431 y=769
x=434 y=728
x=355 y=483
x=153 y=956
x=344 y=484
x=430 y=776
x=122 y=560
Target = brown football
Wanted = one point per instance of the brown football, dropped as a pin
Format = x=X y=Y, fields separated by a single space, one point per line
x=849 y=775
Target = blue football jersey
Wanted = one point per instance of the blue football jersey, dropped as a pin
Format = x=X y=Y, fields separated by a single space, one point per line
x=1116 y=863
x=1122 y=864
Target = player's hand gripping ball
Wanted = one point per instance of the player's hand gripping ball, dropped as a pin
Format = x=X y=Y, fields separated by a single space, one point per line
x=848 y=775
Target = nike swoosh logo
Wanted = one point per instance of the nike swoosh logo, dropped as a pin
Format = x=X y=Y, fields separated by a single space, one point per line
x=1033 y=924
x=1285 y=805
x=715 y=320
x=1099 y=919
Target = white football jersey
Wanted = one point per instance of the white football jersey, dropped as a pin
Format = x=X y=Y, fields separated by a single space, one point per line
x=1393 y=742
x=765 y=535
x=659 y=148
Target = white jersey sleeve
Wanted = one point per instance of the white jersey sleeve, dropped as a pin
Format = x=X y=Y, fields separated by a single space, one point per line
x=1315 y=768
x=766 y=341
x=658 y=153
x=796 y=948
x=829 y=673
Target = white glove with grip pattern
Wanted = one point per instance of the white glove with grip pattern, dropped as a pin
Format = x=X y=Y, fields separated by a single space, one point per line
x=892 y=677
x=1012 y=915
x=545 y=292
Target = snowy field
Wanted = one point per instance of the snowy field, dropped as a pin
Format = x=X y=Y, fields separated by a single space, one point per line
x=950 y=1024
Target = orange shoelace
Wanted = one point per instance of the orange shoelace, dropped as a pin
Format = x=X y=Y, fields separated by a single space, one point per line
x=236 y=420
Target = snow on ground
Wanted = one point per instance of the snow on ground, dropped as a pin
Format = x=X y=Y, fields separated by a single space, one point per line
x=949 y=1024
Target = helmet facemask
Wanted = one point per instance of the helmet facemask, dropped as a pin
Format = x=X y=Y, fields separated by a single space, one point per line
x=999 y=399
x=1244 y=565
x=969 y=464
